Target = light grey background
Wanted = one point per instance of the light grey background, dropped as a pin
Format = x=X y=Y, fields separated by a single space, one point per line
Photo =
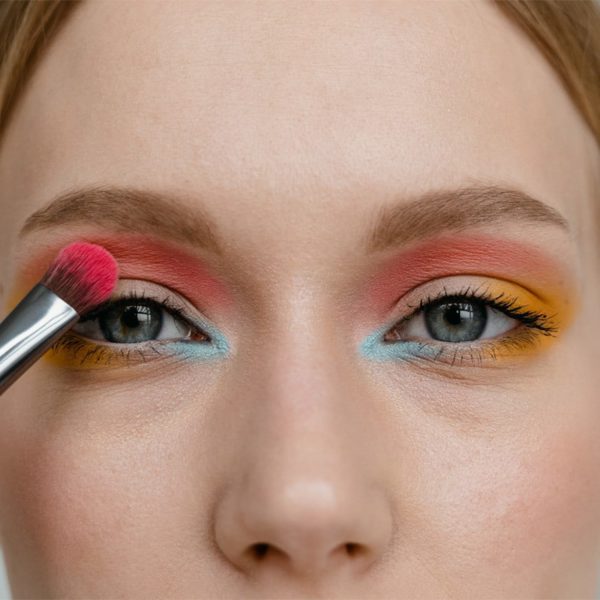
x=4 y=593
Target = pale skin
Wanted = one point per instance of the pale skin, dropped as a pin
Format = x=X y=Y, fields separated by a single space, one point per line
x=290 y=125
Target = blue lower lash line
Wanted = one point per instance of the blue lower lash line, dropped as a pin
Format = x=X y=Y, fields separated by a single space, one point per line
x=375 y=348
x=218 y=347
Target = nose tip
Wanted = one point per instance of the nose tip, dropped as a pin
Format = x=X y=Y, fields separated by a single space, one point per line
x=308 y=528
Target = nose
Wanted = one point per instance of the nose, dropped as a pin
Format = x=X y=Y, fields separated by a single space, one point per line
x=304 y=492
x=308 y=526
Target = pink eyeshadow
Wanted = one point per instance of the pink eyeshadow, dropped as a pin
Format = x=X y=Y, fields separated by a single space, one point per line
x=141 y=257
x=522 y=263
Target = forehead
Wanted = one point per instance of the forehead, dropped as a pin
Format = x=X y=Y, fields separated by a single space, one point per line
x=321 y=97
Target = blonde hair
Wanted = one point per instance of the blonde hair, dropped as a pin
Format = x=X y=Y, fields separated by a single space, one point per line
x=567 y=32
x=26 y=27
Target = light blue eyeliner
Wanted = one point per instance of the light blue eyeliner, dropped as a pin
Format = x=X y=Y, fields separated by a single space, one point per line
x=217 y=348
x=375 y=348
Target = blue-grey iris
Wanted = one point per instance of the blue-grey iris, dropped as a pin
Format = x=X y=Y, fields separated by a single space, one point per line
x=131 y=321
x=456 y=321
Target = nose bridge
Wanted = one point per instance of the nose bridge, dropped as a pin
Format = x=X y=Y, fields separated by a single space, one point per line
x=308 y=368
x=307 y=387
x=302 y=353
x=305 y=494
x=303 y=399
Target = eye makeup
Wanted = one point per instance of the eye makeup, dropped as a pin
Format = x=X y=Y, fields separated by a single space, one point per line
x=515 y=279
x=536 y=323
x=181 y=282
x=202 y=341
x=526 y=283
x=147 y=258
x=75 y=352
x=510 y=260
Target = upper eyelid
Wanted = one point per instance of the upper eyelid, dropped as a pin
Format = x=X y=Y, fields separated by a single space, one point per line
x=173 y=302
x=194 y=317
x=166 y=303
x=156 y=292
x=467 y=293
x=532 y=318
x=168 y=300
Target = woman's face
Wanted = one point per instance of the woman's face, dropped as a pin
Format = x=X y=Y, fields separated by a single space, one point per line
x=361 y=357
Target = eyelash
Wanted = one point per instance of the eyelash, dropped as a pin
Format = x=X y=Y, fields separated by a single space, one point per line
x=168 y=303
x=533 y=325
x=73 y=343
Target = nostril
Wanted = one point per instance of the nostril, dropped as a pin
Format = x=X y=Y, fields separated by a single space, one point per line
x=259 y=550
x=354 y=550
x=351 y=549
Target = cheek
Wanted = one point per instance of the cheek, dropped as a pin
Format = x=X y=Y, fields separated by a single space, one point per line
x=536 y=509
x=552 y=498
x=81 y=507
x=72 y=503
x=511 y=503
x=549 y=517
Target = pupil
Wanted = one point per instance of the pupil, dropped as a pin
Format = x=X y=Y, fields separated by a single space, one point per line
x=129 y=323
x=453 y=315
x=456 y=321
x=133 y=316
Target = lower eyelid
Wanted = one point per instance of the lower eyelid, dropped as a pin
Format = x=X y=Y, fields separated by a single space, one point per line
x=76 y=352
x=73 y=351
x=518 y=342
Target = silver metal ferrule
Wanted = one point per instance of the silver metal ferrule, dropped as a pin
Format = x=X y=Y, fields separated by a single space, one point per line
x=30 y=329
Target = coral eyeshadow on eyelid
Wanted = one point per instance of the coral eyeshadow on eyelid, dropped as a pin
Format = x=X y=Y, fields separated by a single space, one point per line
x=474 y=255
x=164 y=264
x=144 y=258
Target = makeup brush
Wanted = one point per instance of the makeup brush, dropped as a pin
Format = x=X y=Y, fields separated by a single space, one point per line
x=81 y=277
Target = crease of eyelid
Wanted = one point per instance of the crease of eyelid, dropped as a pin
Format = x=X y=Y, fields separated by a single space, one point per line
x=396 y=223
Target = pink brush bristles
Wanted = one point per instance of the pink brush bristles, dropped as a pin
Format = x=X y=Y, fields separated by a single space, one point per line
x=83 y=275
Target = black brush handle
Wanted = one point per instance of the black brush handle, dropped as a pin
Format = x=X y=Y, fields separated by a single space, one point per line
x=30 y=329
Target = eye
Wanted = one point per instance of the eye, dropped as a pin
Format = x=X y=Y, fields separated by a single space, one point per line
x=143 y=322
x=455 y=319
x=465 y=320
x=133 y=321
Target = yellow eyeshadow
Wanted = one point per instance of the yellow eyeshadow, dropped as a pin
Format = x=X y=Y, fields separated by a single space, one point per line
x=74 y=352
x=557 y=306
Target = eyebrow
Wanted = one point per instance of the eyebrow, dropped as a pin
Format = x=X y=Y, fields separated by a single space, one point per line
x=126 y=209
x=456 y=210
